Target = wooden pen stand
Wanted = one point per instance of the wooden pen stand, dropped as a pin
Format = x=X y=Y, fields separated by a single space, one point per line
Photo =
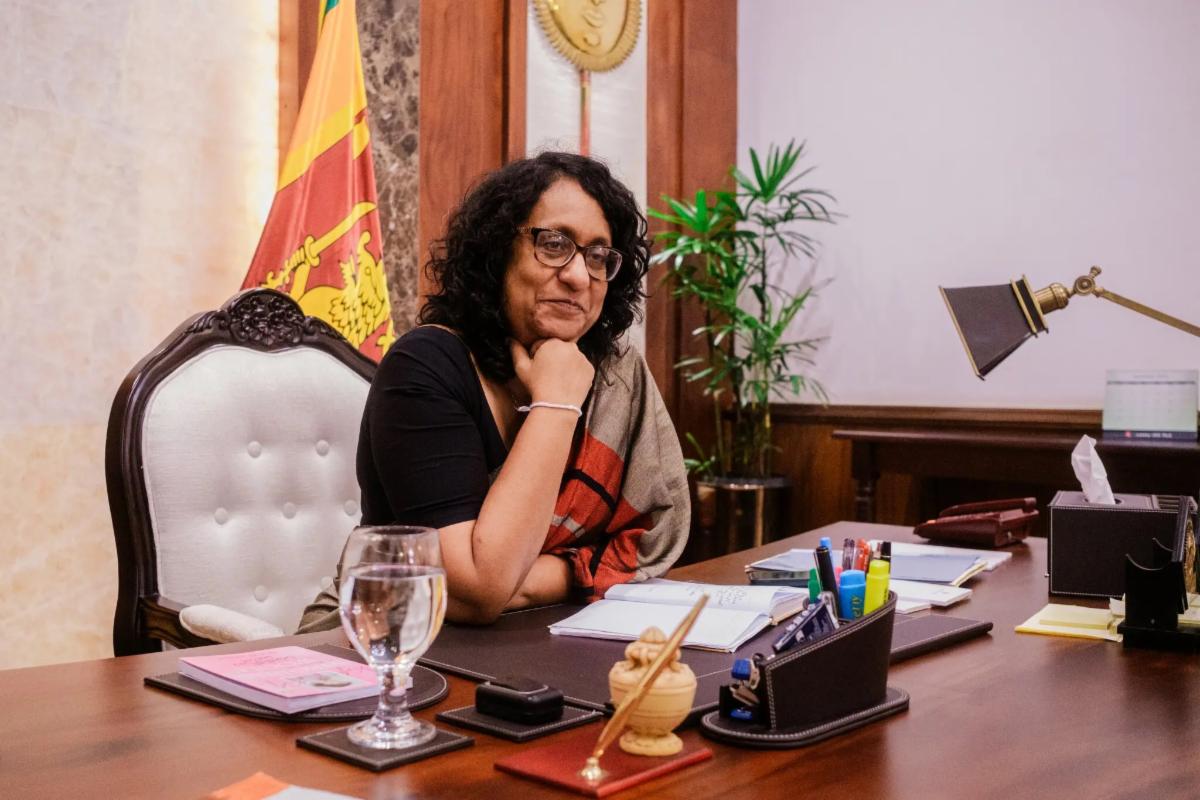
x=818 y=690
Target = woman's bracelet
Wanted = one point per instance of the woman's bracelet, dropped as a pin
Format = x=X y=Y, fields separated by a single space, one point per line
x=539 y=404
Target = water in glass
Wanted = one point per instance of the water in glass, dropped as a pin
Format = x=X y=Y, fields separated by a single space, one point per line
x=393 y=601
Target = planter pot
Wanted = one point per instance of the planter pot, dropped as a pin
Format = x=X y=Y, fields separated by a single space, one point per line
x=730 y=514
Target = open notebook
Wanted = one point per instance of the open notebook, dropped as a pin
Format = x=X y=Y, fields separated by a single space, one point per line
x=732 y=616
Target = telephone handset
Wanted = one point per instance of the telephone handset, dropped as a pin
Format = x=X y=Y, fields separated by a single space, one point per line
x=991 y=523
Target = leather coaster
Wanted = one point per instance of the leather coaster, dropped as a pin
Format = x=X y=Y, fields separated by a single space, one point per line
x=558 y=764
x=335 y=743
x=468 y=717
x=428 y=688
x=751 y=734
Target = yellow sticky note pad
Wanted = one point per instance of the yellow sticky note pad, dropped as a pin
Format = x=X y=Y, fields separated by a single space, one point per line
x=1075 y=616
x=1072 y=621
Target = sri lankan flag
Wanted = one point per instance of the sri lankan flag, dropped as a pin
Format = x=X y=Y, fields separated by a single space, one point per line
x=321 y=242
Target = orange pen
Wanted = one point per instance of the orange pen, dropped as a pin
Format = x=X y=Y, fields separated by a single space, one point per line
x=862 y=555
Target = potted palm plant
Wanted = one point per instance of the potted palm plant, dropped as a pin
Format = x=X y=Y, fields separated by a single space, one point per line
x=734 y=253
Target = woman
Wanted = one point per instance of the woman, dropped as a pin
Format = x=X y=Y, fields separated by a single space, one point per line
x=514 y=420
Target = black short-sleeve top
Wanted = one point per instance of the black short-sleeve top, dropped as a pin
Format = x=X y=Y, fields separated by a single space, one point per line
x=428 y=444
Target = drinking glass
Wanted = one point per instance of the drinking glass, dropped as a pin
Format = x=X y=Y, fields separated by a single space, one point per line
x=393 y=601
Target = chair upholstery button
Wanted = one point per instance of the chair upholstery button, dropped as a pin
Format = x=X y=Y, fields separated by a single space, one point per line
x=221 y=516
x=260 y=593
x=351 y=507
x=326 y=582
x=322 y=448
x=254 y=449
x=289 y=510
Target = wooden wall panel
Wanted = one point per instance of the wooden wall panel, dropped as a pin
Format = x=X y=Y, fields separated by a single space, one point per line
x=691 y=143
x=462 y=110
x=515 y=35
x=664 y=157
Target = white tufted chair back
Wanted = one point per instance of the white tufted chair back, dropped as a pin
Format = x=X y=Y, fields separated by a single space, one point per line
x=231 y=468
x=249 y=470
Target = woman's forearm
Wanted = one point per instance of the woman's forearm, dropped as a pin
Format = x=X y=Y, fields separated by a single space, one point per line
x=548 y=581
x=488 y=561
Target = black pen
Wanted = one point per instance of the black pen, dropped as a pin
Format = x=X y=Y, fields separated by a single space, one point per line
x=812 y=623
x=788 y=638
x=825 y=571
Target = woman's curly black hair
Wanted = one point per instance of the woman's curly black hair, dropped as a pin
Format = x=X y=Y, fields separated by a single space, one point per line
x=469 y=264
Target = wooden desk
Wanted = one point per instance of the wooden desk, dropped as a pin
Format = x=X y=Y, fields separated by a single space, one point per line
x=1005 y=716
x=1134 y=466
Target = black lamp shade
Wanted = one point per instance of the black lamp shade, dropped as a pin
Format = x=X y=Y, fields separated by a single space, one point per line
x=992 y=321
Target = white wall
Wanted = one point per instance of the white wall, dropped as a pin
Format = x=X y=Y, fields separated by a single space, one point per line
x=137 y=162
x=970 y=143
x=618 y=112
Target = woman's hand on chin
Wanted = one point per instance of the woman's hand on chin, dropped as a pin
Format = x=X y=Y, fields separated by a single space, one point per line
x=553 y=371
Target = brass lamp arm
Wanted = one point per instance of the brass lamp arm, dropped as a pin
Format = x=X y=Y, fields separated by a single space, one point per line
x=1056 y=296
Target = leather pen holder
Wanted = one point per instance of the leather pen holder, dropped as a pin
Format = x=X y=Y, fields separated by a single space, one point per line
x=818 y=690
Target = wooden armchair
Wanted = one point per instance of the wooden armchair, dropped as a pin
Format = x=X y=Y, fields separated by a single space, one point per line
x=230 y=468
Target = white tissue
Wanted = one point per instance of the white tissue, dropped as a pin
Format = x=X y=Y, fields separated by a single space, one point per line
x=1093 y=478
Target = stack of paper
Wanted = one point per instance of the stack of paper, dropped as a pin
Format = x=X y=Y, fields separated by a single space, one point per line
x=928 y=594
x=952 y=569
x=922 y=575
x=990 y=558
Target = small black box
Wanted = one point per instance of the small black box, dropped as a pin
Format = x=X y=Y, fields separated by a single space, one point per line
x=518 y=699
x=1088 y=542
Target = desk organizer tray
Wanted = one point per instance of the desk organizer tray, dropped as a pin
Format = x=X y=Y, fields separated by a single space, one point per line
x=818 y=690
x=428 y=688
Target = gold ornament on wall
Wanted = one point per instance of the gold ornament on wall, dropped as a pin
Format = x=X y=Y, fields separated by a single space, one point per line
x=595 y=36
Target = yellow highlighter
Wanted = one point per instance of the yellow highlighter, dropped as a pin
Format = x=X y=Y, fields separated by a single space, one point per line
x=877 y=585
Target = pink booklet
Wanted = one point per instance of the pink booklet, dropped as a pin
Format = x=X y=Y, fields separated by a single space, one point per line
x=287 y=679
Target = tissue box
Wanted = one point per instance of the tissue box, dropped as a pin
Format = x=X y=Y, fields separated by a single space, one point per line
x=1088 y=542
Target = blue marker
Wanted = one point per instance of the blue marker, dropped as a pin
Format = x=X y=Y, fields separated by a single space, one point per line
x=852 y=594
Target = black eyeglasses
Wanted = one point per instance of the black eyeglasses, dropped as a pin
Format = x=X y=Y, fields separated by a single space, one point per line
x=556 y=249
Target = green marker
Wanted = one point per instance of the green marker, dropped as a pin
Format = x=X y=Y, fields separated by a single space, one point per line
x=814 y=585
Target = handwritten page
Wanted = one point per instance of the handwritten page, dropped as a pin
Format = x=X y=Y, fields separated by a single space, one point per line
x=759 y=599
x=732 y=615
x=721 y=629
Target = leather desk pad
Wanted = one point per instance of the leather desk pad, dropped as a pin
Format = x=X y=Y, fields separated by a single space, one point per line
x=520 y=643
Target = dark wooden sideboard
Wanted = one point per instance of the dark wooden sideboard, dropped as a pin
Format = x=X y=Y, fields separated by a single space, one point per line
x=1039 y=458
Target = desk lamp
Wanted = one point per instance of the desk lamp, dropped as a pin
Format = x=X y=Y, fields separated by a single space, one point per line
x=992 y=321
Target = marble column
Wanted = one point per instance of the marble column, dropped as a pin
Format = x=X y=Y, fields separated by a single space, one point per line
x=389 y=35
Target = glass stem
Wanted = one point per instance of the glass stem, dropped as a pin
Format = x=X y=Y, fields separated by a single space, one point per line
x=392 y=711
